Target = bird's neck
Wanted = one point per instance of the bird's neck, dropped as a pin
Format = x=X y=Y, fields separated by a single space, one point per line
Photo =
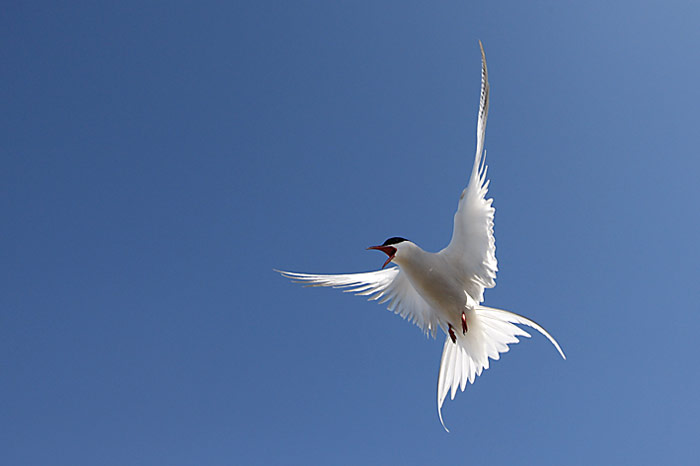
x=411 y=254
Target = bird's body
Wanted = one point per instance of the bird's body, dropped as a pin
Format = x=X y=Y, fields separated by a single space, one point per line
x=436 y=278
x=445 y=289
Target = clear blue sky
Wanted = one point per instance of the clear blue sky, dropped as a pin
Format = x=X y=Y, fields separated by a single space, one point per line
x=159 y=161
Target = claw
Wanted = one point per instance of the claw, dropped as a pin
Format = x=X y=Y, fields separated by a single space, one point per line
x=464 y=323
x=452 y=333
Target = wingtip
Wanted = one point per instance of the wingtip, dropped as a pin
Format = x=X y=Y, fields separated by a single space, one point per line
x=284 y=273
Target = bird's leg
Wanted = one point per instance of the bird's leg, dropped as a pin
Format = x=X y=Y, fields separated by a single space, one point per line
x=464 y=323
x=452 y=333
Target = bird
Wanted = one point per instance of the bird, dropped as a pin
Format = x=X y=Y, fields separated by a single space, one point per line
x=445 y=290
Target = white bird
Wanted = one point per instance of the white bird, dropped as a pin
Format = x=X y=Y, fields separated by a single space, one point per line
x=446 y=289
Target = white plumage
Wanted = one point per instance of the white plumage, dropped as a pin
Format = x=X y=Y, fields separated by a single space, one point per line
x=445 y=289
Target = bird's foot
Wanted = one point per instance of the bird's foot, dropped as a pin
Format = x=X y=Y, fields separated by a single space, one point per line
x=452 y=333
x=464 y=324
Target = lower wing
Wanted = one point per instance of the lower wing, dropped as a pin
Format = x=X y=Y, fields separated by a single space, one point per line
x=388 y=286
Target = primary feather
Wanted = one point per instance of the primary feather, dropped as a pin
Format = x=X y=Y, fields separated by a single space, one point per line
x=473 y=245
x=388 y=286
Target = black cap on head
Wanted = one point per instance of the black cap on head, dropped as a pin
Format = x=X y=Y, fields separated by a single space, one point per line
x=394 y=240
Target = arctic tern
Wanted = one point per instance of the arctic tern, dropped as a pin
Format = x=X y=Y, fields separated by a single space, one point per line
x=445 y=289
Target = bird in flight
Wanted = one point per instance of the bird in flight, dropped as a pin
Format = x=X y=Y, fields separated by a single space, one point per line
x=445 y=289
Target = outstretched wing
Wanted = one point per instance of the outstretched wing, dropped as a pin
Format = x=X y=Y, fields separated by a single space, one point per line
x=473 y=246
x=388 y=286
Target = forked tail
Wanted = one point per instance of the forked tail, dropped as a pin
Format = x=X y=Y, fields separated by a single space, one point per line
x=490 y=333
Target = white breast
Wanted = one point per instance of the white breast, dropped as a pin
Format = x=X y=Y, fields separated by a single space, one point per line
x=436 y=281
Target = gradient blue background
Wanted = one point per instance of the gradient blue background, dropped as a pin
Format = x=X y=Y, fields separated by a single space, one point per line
x=159 y=160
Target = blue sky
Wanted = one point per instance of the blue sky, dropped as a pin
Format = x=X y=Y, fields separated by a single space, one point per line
x=159 y=161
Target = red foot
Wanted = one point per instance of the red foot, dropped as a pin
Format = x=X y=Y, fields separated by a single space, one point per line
x=464 y=324
x=452 y=333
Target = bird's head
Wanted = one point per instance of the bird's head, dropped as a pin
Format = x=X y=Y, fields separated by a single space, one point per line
x=391 y=247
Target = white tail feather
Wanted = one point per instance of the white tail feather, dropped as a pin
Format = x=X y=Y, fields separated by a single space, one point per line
x=490 y=332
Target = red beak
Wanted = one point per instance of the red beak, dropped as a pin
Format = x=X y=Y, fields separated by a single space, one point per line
x=388 y=250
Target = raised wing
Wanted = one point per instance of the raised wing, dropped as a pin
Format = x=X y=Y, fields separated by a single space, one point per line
x=388 y=286
x=473 y=246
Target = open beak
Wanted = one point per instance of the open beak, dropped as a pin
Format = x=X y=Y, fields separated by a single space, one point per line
x=388 y=250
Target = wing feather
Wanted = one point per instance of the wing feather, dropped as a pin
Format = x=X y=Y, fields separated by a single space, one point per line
x=389 y=286
x=473 y=246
